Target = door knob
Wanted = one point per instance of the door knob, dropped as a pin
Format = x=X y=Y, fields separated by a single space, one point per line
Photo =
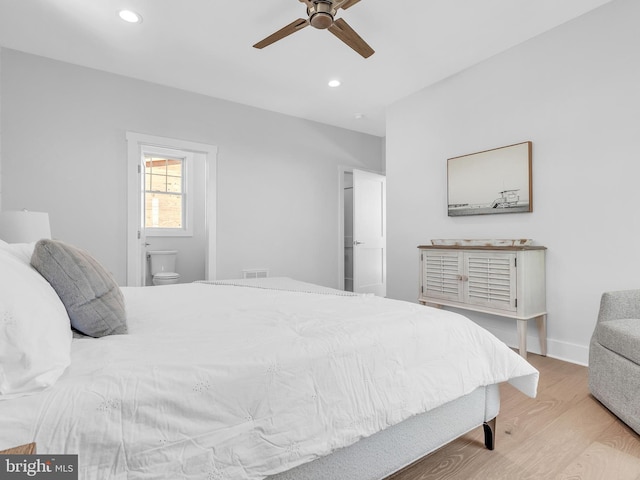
x=357 y=243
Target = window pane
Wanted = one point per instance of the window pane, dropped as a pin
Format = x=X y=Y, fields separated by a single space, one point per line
x=148 y=163
x=155 y=164
x=174 y=167
x=163 y=211
x=174 y=184
x=159 y=166
x=164 y=204
x=158 y=183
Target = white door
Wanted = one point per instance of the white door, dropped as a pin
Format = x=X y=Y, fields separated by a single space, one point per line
x=369 y=233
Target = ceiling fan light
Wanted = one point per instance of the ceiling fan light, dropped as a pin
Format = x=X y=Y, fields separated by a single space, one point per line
x=321 y=20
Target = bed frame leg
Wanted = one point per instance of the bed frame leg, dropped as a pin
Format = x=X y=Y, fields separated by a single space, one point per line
x=490 y=433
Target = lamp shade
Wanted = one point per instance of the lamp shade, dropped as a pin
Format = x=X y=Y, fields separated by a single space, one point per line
x=24 y=226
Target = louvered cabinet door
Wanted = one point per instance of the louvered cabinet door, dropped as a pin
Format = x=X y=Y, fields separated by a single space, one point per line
x=441 y=275
x=507 y=281
x=489 y=280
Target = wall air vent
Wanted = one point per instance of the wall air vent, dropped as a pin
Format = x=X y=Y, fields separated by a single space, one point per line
x=255 y=273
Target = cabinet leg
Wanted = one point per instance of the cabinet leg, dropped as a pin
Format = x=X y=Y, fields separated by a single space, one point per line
x=541 y=322
x=522 y=338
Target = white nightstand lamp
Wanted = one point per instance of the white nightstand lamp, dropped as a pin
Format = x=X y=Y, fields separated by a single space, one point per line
x=23 y=226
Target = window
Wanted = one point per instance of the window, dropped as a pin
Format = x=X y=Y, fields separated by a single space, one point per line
x=167 y=210
x=164 y=188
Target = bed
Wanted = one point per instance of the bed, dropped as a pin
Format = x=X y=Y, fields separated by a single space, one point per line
x=275 y=379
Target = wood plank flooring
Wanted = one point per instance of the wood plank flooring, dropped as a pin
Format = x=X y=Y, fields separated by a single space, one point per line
x=563 y=434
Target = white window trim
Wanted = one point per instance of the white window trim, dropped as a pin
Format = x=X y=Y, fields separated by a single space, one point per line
x=188 y=183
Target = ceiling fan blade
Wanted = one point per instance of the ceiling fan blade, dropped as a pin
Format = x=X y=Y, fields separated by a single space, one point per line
x=293 y=27
x=348 y=3
x=348 y=35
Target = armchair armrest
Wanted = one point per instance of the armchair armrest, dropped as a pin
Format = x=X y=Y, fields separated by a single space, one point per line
x=620 y=304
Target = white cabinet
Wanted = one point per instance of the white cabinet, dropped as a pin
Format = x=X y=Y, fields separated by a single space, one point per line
x=505 y=281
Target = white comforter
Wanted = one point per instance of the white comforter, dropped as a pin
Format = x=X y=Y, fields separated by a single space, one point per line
x=226 y=382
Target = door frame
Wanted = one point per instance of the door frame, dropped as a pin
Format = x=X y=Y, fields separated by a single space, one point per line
x=342 y=169
x=135 y=258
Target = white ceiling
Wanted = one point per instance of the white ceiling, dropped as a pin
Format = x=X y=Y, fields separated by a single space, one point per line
x=205 y=46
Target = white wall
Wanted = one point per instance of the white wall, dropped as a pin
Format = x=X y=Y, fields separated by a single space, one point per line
x=0 y=129
x=575 y=93
x=64 y=151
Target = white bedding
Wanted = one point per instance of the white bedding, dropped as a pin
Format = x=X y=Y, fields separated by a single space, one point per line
x=285 y=284
x=225 y=382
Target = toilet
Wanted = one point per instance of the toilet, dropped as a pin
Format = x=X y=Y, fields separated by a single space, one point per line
x=163 y=266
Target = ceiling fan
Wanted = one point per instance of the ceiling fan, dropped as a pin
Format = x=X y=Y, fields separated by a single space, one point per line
x=321 y=15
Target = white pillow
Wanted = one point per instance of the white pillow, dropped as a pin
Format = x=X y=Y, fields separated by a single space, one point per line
x=35 y=333
x=22 y=251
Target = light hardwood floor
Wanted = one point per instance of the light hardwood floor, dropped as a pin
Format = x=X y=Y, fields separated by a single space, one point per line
x=563 y=434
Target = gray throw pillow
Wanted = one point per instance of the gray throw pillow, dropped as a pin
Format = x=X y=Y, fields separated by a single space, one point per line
x=90 y=294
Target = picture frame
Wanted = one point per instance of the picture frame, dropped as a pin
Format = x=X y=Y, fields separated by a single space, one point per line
x=489 y=182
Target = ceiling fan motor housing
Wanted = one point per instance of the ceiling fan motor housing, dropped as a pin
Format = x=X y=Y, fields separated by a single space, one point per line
x=322 y=17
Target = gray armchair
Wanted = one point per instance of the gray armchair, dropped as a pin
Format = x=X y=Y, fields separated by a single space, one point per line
x=614 y=356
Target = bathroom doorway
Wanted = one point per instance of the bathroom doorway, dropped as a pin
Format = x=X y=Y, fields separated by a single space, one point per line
x=181 y=177
x=363 y=232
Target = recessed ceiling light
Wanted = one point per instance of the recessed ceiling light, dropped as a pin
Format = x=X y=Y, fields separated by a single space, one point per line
x=334 y=83
x=359 y=116
x=130 y=16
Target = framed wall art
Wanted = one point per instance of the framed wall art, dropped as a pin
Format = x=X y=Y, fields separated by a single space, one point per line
x=490 y=182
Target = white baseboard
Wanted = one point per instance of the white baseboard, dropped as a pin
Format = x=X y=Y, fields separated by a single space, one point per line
x=506 y=330
x=568 y=352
